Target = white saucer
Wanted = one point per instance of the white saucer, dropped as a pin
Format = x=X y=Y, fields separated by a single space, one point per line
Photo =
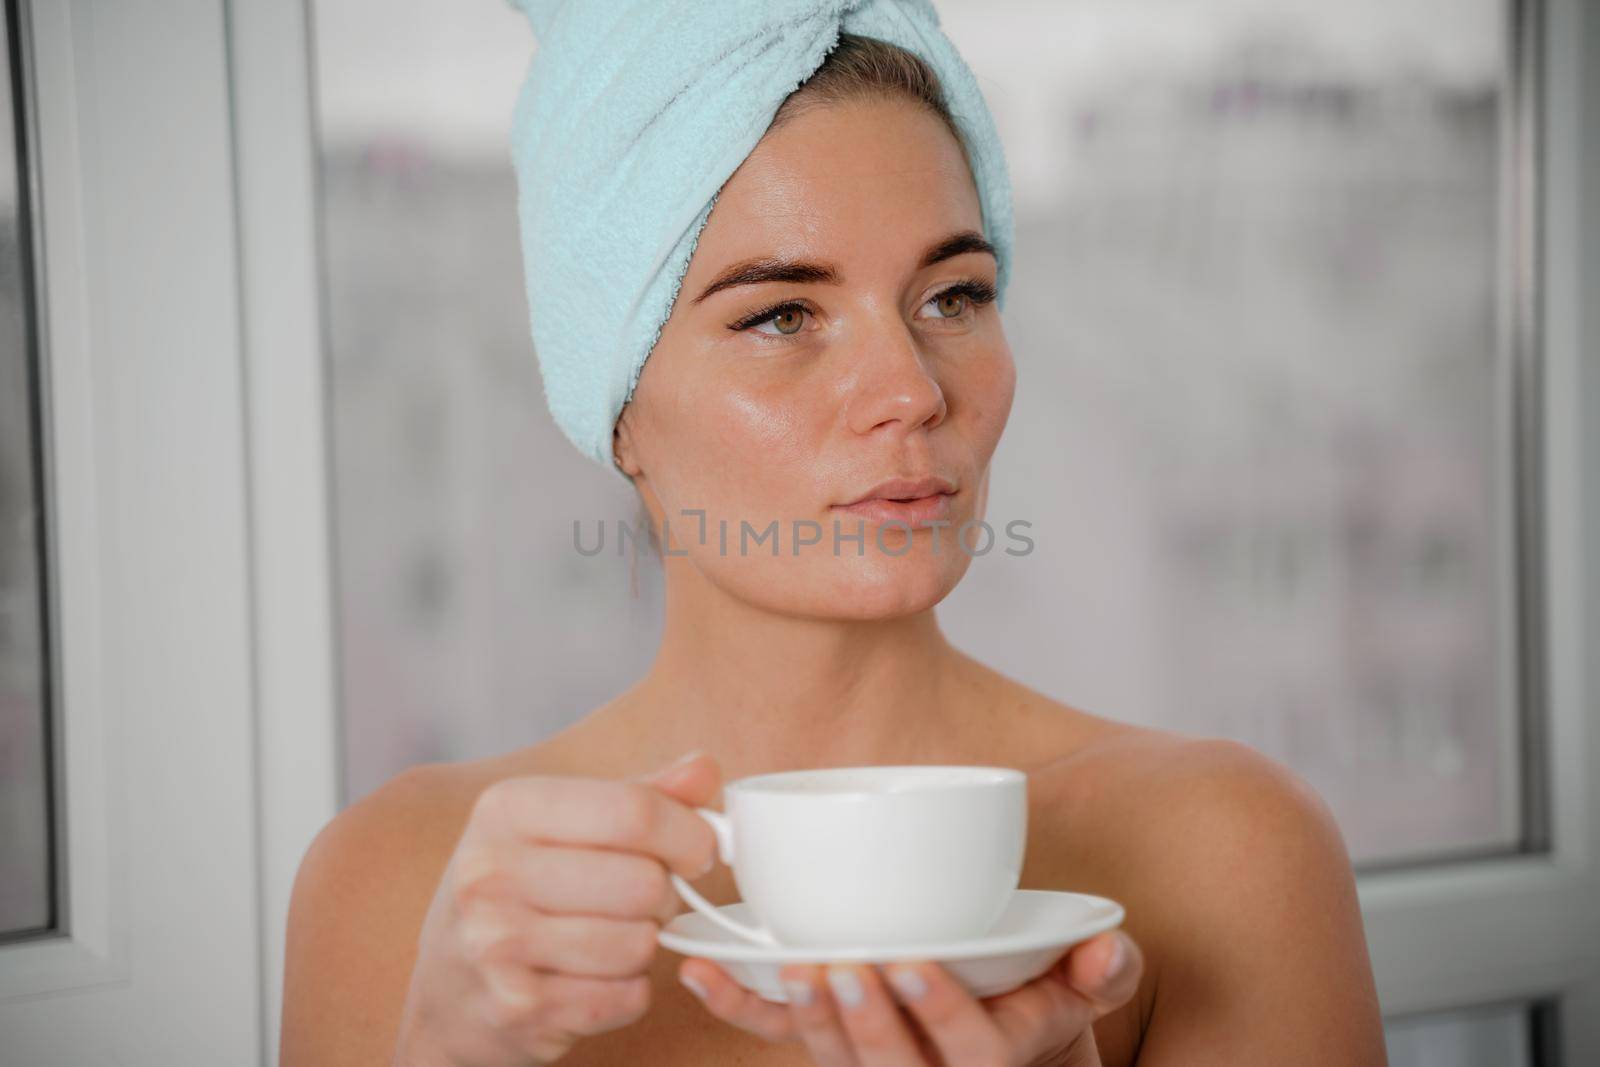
x=1034 y=931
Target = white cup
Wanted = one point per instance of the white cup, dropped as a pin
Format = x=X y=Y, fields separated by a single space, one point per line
x=847 y=856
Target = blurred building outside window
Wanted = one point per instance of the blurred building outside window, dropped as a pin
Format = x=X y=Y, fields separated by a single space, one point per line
x=1254 y=316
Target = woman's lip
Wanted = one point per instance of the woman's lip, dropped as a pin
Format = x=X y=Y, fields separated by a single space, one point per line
x=915 y=512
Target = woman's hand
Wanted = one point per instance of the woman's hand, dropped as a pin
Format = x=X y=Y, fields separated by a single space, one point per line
x=1045 y=1023
x=544 y=924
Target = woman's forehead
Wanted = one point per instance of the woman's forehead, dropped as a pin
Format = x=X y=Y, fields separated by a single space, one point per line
x=839 y=177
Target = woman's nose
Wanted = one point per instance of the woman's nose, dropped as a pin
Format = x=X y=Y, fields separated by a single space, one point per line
x=893 y=387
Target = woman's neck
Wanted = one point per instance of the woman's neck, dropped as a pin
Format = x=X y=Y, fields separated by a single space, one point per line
x=762 y=691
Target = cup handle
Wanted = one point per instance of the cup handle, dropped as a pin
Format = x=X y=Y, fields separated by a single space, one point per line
x=723 y=829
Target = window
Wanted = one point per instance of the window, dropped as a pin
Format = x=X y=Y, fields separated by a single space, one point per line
x=1500 y=1036
x=1259 y=318
x=1278 y=367
x=28 y=878
x=1260 y=326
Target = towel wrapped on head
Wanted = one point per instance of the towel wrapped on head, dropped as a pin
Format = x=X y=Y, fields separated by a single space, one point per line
x=633 y=115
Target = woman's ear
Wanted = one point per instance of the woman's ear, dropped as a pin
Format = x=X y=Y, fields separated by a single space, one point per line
x=622 y=447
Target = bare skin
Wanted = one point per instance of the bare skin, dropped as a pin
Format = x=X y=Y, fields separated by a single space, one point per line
x=1241 y=906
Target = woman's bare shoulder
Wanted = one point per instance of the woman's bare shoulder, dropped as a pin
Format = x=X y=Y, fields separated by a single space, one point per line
x=360 y=898
x=1236 y=879
x=1076 y=749
x=403 y=832
x=423 y=803
x=1172 y=785
x=1152 y=805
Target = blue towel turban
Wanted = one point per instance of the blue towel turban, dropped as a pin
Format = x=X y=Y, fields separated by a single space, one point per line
x=632 y=116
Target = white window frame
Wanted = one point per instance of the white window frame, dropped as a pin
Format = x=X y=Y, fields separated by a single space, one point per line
x=180 y=341
x=1489 y=931
x=86 y=730
x=297 y=732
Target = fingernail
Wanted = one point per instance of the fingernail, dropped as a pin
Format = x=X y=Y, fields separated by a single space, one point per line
x=693 y=983
x=846 y=986
x=686 y=757
x=1119 y=956
x=908 y=982
x=799 y=992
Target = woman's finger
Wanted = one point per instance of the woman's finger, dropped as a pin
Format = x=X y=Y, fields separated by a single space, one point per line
x=880 y=1034
x=957 y=1025
x=498 y=931
x=733 y=1003
x=1042 y=1016
x=1106 y=970
x=1056 y=1008
x=563 y=879
x=815 y=1017
x=596 y=813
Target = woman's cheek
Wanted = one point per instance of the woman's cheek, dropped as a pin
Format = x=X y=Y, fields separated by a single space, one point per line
x=762 y=417
x=767 y=439
x=993 y=388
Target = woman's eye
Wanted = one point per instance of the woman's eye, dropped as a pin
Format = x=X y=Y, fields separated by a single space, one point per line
x=950 y=304
x=961 y=300
x=787 y=320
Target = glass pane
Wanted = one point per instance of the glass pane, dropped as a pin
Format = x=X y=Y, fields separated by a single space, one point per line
x=1488 y=1037
x=1255 y=332
x=465 y=616
x=26 y=893
x=1254 y=318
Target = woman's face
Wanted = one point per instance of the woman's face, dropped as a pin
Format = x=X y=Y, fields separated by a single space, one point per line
x=874 y=371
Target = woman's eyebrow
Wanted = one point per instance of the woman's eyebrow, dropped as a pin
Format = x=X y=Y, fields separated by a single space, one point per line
x=767 y=269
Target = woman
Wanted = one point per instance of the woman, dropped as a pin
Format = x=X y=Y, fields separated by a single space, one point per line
x=836 y=329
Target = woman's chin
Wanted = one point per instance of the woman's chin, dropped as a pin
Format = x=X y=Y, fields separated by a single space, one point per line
x=881 y=587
